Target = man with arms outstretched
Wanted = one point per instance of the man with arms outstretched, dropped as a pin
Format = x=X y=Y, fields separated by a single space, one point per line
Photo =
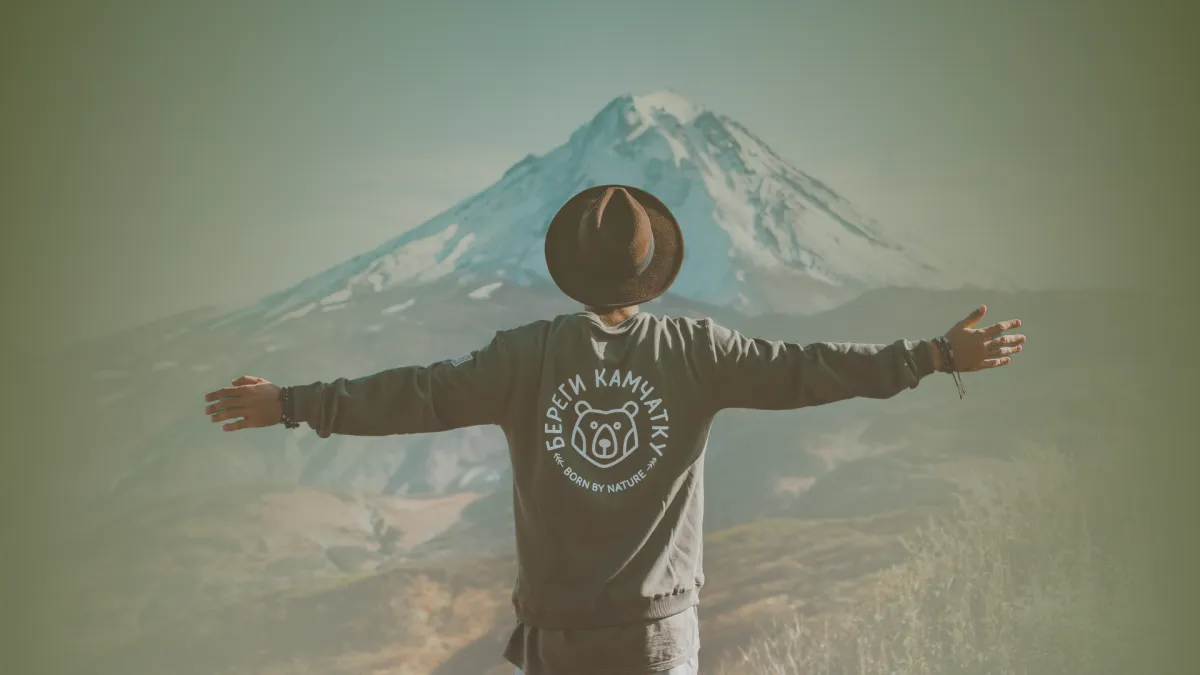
x=607 y=414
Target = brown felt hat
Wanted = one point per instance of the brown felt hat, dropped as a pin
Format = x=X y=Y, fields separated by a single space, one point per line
x=614 y=246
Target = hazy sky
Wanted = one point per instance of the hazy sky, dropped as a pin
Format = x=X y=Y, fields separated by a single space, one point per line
x=158 y=158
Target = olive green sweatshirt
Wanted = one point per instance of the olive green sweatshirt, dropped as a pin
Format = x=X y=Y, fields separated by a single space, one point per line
x=606 y=429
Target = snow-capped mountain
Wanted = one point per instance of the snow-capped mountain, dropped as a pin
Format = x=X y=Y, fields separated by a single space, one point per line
x=760 y=234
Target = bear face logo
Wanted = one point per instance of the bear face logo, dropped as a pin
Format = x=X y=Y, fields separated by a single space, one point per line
x=605 y=437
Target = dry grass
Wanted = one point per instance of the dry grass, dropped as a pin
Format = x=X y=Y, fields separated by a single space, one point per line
x=1033 y=573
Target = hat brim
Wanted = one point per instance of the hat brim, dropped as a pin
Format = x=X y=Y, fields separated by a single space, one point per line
x=564 y=259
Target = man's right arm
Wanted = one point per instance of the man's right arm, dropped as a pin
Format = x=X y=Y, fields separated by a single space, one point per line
x=776 y=375
x=472 y=390
x=451 y=394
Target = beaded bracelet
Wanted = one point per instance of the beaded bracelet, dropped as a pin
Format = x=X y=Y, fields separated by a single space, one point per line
x=948 y=363
x=288 y=417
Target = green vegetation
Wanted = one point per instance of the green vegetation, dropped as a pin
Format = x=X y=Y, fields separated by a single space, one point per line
x=1034 y=572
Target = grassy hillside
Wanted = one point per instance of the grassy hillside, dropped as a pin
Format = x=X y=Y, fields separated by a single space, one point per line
x=1037 y=571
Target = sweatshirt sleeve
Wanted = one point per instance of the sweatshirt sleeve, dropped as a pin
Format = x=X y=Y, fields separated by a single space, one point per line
x=773 y=375
x=468 y=391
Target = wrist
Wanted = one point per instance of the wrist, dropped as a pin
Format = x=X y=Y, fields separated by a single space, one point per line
x=287 y=405
x=935 y=353
x=945 y=354
x=306 y=402
x=946 y=357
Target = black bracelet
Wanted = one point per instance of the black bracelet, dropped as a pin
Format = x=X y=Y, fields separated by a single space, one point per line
x=948 y=363
x=288 y=404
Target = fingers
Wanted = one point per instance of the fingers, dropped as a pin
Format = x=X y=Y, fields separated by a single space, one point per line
x=244 y=419
x=224 y=404
x=1005 y=340
x=997 y=328
x=228 y=414
x=1005 y=345
x=995 y=363
x=238 y=388
x=227 y=392
x=234 y=426
x=974 y=317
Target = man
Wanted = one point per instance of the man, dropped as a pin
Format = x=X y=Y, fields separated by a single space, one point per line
x=607 y=414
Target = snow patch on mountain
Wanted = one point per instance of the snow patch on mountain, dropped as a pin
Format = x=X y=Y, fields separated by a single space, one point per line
x=400 y=307
x=337 y=297
x=299 y=313
x=448 y=264
x=485 y=292
x=665 y=103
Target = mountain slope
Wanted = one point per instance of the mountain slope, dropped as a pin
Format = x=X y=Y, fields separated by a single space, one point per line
x=760 y=234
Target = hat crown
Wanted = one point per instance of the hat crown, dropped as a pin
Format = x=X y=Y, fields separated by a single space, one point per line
x=613 y=246
x=615 y=235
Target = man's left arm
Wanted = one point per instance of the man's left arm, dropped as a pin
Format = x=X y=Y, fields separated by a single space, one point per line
x=468 y=391
x=764 y=374
x=775 y=375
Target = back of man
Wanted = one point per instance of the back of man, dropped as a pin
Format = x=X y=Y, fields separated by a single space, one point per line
x=607 y=434
x=607 y=428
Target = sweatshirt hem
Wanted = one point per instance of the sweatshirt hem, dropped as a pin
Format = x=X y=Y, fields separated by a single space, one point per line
x=646 y=610
x=655 y=667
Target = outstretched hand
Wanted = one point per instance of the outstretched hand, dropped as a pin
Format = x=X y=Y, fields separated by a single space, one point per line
x=982 y=348
x=253 y=399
